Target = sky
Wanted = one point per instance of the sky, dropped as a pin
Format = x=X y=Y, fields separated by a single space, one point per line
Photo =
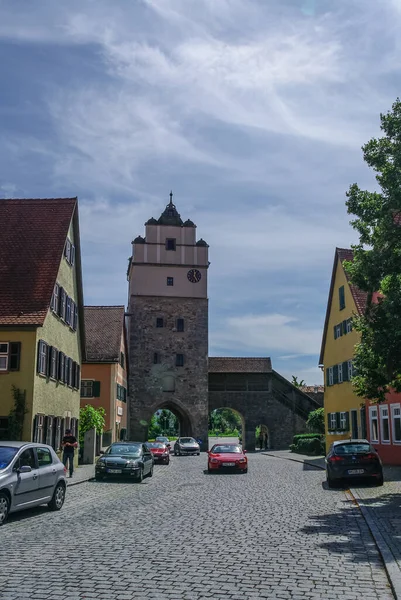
x=252 y=111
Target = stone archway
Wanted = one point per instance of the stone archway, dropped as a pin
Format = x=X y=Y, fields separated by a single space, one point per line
x=140 y=430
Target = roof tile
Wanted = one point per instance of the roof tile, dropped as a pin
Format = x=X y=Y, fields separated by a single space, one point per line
x=33 y=235
x=103 y=329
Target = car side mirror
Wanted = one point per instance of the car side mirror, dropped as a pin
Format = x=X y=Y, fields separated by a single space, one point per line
x=24 y=469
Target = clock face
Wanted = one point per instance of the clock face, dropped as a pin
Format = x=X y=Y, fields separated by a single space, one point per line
x=194 y=275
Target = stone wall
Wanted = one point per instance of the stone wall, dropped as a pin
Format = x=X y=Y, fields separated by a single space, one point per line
x=148 y=382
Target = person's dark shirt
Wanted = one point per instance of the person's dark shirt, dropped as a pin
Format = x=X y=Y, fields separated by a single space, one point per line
x=70 y=439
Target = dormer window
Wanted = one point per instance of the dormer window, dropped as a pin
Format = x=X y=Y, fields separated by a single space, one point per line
x=170 y=244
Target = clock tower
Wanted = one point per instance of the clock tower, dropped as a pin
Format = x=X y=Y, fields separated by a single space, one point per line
x=168 y=326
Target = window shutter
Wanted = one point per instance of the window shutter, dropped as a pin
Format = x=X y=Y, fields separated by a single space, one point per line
x=75 y=320
x=335 y=331
x=345 y=327
x=327 y=377
x=347 y=420
x=96 y=389
x=49 y=360
x=341 y=295
x=345 y=371
x=38 y=358
x=15 y=356
x=35 y=423
x=338 y=424
x=335 y=374
x=72 y=254
x=78 y=375
x=328 y=421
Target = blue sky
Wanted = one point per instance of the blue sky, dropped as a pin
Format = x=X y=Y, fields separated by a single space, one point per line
x=252 y=111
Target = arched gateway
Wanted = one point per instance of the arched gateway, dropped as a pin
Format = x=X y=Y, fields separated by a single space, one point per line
x=168 y=339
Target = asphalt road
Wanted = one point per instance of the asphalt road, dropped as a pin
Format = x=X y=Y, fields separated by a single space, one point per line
x=187 y=535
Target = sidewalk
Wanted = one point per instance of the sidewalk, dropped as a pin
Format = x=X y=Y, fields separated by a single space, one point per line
x=380 y=507
x=81 y=474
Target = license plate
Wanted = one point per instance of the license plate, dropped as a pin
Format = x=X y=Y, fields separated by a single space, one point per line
x=228 y=464
x=356 y=471
x=114 y=470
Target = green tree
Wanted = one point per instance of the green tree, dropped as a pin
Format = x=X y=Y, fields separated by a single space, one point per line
x=376 y=267
x=90 y=418
x=297 y=383
x=315 y=420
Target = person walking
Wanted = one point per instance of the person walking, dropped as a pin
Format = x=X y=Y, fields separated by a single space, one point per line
x=68 y=445
x=266 y=441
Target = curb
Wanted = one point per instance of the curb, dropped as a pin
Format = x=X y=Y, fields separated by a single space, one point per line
x=390 y=563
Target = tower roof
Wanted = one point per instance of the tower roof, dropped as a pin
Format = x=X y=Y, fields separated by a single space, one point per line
x=170 y=215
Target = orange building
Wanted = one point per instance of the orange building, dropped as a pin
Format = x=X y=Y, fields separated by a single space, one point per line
x=104 y=372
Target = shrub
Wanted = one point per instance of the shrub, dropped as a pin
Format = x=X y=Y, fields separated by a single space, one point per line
x=306 y=436
x=314 y=446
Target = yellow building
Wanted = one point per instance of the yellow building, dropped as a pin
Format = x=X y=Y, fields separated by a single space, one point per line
x=345 y=412
x=41 y=319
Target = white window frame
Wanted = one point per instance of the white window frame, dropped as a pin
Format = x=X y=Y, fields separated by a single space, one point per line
x=87 y=383
x=333 y=421
x=338 y=331
x=384 y=415
x=5 y=355
x=68 y=310
x=373 y=415
x=350 y=370
x=343 y=419
x=43 y=357
x=55 y=298
x=394 y=416
x=67 y=251
x=349 y=325
x=331 y=376
x=340 y=373
x=39 y=429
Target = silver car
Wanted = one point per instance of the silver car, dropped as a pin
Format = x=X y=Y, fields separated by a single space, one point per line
x=186 y=445
x=30 y=475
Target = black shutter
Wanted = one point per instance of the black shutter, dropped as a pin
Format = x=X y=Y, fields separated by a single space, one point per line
x=341 y=294
x=15 y=355
x=345 y=371
x=78 y=376
x=96 y=389
x=49 y=360
x=335 y=374
x=35 y=422
x=335 y=331
x=328 y=421
x=38 y=357
x=344 y=327
x=347 y=420
x=75 y=320
x=327 y=377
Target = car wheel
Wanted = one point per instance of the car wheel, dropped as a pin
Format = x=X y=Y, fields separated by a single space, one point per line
x=330 y=482
x=150 y=474
x=4 y=507
x=56 y=503
x=139 y=478
x=167 y=461
x=198 y=453
x=245 y=470
x=209 y=470
x=380 y=481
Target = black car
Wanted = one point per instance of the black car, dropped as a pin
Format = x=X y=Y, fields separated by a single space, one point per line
x=125 y=459
x=353 y=459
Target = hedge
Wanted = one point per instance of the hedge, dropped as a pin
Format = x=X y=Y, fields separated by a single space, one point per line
x=314 y=446
x=306 y=436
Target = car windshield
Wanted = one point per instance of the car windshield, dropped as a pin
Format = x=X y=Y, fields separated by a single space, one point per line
x=226 y=449
x=187 y=441
x=356 y=448
x=124 y=449
x=155 y=445
x=6 y=455
x=162 y=439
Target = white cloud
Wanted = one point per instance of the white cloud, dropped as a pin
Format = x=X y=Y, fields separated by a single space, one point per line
x=265 y=334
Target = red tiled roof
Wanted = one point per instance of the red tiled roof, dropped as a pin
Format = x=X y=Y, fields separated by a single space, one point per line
x=218 y=364
x=358 y=295
x=104 y=326
x=33 y=235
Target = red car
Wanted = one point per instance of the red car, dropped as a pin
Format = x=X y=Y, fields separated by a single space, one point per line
x=227 y=456
x=160 y=452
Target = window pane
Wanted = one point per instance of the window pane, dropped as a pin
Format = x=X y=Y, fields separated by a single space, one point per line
x=3 y=363
x=375 y=431
x=386 y=430
x=44 y=457
x=397 y=429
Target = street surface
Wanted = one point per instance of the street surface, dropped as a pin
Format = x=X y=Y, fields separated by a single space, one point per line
x=186 y=535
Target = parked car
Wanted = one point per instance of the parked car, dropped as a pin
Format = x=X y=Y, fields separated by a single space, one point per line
x=30 y=475
x=163 y=440
x=186 y=445
x=160 y=452
x=227 y=456
x=125 y=459
x=357 y=459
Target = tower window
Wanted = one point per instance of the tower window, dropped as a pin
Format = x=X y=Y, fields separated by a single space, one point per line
x=170 y=280
x=156 y=358
x=170 y=244
x=179 y=360
x=159 y=322
x=180 y=324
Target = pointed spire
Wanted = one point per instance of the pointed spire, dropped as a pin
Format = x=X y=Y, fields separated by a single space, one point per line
x=171 y=198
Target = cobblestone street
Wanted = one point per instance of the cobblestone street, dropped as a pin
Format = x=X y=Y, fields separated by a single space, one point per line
x=187 y=535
